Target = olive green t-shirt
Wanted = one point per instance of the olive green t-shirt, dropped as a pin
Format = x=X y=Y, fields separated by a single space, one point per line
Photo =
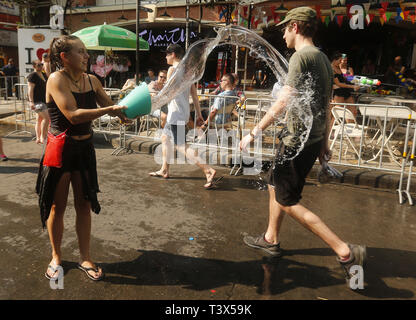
x=311 y=71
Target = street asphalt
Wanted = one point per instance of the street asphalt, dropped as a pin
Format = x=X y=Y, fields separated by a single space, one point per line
x=162 y=239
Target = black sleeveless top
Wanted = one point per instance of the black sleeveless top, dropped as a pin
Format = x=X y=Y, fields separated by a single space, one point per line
x=85 y=100
x=342 y=92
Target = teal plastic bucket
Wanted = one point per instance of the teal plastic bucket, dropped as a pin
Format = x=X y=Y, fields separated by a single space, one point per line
x=138 y=102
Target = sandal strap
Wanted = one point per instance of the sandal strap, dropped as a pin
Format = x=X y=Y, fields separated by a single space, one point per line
x=90 y=269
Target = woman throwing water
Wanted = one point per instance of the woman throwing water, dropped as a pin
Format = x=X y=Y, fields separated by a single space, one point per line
x=72 y=97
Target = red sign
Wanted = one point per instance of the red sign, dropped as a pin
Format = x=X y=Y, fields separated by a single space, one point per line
x=4 y=18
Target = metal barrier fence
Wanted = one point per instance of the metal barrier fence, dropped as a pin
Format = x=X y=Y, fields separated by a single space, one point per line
x=8 y=88
x=373 y=136
x=378 y=138
x=22 y=112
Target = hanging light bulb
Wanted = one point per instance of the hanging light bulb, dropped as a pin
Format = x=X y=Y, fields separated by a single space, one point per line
x=165 y=14
x=122 y=13
x=281 y=9
x=85 y=20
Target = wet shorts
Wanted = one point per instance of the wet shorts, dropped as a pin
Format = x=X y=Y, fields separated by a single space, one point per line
x=177 y=132
x=40 y=106
x=288 y=178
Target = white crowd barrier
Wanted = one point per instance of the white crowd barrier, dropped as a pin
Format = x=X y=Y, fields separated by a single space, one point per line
x=378 y=136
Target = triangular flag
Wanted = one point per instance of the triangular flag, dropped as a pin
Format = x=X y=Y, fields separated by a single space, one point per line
x=366 y=7
x=273 y=8
x=277 y=19
x=245 y=8
x=384 y=5
x=339 y=20
x=388 y=15
x=348 y=11
x=406 y=14
x=318 y=11
x=372 y=15
x=265 y=21
x=327 y=21
x=382 y=20
x=412 y=17
x=333 y=14
x=400 y=13
x=323 y=18
x=398 y=18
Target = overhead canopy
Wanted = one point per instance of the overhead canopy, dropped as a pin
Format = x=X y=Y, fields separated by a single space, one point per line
x=105 y=37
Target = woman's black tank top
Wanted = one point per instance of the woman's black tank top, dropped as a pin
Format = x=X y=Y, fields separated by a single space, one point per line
x=85 y=100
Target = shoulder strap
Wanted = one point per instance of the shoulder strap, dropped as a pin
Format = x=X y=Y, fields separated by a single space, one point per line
x=90 y=81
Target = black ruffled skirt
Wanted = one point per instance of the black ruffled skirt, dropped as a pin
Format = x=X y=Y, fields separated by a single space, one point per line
x=76 y=156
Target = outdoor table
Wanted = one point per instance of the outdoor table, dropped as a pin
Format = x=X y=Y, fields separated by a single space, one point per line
x=392 y=115
x=411 y=103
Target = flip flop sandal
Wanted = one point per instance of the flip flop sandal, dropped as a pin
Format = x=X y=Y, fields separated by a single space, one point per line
x=158 y=175
x=54 y=269
x=213 y=183
x=89 y=275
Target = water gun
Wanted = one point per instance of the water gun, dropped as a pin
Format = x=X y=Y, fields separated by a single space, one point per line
x=363 y=81
x=404 y=81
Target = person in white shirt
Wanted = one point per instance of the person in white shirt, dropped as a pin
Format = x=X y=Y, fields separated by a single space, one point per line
x=154 y=88
x=178 y=117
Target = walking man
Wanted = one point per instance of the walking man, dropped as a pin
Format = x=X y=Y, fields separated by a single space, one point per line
x=178 y=117
x=286 y=180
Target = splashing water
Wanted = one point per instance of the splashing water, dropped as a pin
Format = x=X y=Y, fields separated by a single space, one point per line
x=191 y=69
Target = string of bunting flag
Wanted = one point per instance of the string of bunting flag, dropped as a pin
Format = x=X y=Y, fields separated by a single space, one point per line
x=264 y=16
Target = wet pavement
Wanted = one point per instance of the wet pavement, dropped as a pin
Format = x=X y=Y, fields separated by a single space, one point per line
x=171 y=239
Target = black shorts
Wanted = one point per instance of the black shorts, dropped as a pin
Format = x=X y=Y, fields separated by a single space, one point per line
x=288 y=178
x=343 y=93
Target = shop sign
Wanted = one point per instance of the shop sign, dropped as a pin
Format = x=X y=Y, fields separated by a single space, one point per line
x=163 y=39
x=32 y=44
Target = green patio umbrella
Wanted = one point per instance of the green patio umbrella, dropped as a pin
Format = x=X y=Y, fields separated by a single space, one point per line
x=106 y=37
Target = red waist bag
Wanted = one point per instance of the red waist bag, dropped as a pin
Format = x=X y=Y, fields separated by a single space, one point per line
x=54 y=149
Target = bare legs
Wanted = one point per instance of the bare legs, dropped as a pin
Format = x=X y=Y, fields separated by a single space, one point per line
x=305 y=217
x=1 y=147
x=190 y=155
x=55 y=223
x=41 y=126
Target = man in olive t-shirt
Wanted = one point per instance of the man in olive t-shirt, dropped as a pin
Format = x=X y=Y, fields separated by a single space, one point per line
x=310 y=67
x=286 y=179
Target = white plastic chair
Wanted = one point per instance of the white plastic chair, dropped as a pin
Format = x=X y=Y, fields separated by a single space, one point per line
x=349 y=131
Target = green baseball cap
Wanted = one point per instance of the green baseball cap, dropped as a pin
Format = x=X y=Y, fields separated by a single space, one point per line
x=300 y=14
